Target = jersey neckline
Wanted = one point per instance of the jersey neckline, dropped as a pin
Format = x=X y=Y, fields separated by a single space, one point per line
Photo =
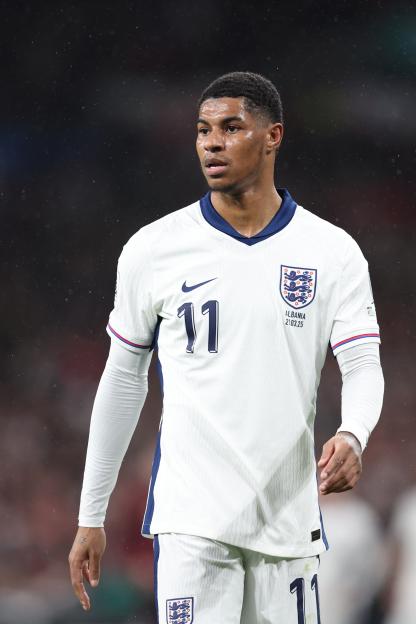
x=280 y=220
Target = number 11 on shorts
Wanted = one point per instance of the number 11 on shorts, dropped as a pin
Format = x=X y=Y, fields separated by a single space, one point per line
x=298 y=587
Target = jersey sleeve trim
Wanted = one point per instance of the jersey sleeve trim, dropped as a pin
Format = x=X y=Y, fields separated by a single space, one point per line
x=368 y=337
x=128 y=342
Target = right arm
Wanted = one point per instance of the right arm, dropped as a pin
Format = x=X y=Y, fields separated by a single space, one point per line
x=118 y=402
x=120 y=397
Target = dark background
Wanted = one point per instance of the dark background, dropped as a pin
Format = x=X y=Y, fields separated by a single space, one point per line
x=96 y=139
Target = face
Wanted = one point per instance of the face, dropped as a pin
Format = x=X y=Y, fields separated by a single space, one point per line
x=234 y=146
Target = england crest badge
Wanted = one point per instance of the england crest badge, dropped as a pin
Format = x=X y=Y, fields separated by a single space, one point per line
x=297 y=285
x=180 y=611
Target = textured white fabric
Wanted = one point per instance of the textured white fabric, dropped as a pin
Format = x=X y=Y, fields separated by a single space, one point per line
x=362 y=390
x=123 y=388
x=355 y=320
x=120 y=396
x=206 y=581
x=241 y=361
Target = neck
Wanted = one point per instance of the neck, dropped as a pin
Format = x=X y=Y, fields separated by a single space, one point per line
x=248 y=211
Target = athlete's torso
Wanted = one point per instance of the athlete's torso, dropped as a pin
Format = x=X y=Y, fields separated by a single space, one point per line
x=243 y=331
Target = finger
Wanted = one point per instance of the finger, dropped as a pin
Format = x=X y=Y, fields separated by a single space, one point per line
x=85 y=571
x=345 y=489
x=336 y=472
x=327 y=451
x=78 y=584
x=81 y=593
x=335 y=486
x=349 y=475
x=342 y=487
x=94 y=569
x=335 y=464
x=343 y=455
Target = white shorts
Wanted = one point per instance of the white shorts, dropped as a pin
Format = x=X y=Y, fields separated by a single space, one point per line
x=208 y=582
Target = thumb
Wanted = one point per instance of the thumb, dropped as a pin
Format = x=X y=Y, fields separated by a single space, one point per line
x=327 y=452
x=94 y=569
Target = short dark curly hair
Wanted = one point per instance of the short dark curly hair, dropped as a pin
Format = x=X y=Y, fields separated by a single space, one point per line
x=260 y=95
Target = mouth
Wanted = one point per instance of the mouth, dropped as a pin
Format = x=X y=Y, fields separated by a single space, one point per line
x=215 y=167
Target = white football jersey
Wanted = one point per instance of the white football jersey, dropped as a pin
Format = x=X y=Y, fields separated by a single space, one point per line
x=242 y=327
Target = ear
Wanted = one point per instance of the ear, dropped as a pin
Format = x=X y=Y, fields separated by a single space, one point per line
x=274 y=137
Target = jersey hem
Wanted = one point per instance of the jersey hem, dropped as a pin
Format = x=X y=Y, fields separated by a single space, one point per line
x=297 y=551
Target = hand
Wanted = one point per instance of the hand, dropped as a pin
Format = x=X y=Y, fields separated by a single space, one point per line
x=341 y=463
x=84 y=561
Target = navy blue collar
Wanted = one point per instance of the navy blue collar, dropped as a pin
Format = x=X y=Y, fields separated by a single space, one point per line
x=279 y=221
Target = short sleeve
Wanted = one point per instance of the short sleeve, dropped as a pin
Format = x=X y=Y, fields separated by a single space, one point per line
x=355 y=320
x=132 y=321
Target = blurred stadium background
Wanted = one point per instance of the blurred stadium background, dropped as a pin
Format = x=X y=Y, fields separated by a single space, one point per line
x=97 y=139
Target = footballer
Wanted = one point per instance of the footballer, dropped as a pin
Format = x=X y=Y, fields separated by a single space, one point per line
x=240 y=293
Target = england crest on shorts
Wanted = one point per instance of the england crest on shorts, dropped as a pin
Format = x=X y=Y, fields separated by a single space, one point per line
x=297 y=285
x=180 y=611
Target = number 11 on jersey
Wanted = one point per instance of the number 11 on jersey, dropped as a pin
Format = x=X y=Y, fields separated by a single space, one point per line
x=210 y=308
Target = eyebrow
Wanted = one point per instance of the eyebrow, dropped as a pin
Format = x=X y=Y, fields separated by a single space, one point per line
x=223 y=121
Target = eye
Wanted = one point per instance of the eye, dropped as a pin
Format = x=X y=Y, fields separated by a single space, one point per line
x=203 y=131
x=232 y=129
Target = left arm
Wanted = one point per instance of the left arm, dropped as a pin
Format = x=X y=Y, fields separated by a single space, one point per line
x=362 y=397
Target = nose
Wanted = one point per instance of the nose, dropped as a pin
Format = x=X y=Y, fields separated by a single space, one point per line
x=214 y=141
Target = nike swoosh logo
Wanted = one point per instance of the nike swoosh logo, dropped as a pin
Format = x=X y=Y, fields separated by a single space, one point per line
x=186 y=288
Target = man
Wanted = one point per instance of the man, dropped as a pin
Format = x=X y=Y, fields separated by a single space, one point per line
x=242 y=292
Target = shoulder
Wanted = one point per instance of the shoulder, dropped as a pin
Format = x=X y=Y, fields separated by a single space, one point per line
x=333 y=234
x=336 y=240
x=151 y=237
